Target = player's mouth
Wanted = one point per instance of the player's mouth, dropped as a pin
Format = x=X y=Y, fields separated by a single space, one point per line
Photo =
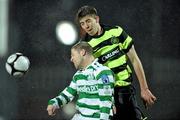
x=89 y=30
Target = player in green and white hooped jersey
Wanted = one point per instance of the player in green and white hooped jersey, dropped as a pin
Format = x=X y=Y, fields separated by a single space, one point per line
x=93 y=83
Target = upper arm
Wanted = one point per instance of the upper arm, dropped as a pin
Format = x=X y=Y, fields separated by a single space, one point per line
x=106 y=83
x=106 y=89
x=105 y=76
x=125 y=41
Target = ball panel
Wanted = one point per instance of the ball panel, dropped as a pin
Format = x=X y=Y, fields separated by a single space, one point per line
x=11 y=58
x=18 y=54
x=18 y=74
x=22 y=63
x=8 y=68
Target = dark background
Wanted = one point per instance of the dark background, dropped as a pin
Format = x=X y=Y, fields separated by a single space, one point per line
x=154 y=25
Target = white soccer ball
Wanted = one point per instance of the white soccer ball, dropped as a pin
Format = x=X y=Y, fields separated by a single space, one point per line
x=17 y=64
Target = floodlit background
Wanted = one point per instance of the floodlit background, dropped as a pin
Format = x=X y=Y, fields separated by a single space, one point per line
x=44 y=31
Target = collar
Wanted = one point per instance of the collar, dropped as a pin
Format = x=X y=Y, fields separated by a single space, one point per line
x=95 y=60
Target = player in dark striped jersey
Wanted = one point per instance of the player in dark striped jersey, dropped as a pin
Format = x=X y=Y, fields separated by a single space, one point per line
x=113 y=46
x=93 y=83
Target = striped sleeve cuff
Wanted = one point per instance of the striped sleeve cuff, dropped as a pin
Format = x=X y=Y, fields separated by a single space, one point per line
x=53 y=102
x=104 y=116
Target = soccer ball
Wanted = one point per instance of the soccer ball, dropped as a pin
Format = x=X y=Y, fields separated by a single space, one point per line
x=17 y=64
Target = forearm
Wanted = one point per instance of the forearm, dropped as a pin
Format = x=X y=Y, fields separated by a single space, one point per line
x=106 y=108
x=63 y=98
x=107 y=101
x=138 y=68
x=146 y=94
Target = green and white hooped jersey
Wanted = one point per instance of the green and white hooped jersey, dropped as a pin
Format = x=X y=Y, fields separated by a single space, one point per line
x=94 y=87
x=110 y=48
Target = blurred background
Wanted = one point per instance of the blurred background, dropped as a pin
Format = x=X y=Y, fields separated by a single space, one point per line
x=32 y=28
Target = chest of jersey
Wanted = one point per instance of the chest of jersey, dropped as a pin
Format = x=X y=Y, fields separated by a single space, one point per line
x=87 y=82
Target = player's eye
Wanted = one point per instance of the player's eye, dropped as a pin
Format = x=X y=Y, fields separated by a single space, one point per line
x=82 y=24
x=88 y=21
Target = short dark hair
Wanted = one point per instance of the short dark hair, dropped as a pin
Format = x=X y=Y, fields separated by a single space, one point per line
x=83 y=45
x=85 y=10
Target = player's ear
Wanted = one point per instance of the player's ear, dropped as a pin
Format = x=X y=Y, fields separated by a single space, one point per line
x=97 y=19
x=83 y=52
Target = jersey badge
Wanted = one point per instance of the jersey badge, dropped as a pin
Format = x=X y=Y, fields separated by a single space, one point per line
x=114 y=40
x=105 y=79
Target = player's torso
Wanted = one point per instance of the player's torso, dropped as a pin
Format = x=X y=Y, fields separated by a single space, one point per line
x=108 y=48
x=86 y=83
x=87 y=90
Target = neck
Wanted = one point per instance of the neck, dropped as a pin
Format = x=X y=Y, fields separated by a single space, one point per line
x=100 y=30
x=87 y=61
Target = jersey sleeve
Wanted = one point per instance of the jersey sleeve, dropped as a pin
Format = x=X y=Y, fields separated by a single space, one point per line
x=106 y=89
x=65 y=96
x=125 y=40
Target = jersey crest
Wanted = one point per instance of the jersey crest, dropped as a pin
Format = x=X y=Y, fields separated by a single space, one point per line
x=105 y=79
x=114 y=40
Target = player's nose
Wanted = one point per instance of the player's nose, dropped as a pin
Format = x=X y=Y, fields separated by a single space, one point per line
x=86 y=25
x=71 y=59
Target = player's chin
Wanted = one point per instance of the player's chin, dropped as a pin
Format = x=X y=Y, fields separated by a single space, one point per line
x=91 y=33
x=76 y=66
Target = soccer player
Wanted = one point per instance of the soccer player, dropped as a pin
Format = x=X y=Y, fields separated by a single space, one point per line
x=93 y=83
x=113 y=46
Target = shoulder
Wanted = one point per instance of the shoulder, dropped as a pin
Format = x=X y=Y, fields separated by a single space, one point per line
x=113 y=30
x=102 y=69
x=110 y=27
x=76 y=75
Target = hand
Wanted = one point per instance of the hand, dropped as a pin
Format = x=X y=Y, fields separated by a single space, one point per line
x=114 y=109
x=148 y=97
x=51 y=110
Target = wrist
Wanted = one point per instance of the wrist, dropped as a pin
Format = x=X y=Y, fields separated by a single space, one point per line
x=104 y=116
x=144 y=88
x=51 y=102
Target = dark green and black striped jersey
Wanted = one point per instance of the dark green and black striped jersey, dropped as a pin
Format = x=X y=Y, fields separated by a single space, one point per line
x=110 y=48
x=94 y=87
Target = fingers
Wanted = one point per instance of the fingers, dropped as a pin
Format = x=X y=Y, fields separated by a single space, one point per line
x=51 y=110
x=154 y=98
x=145 y=104
x=114 y=110
x=151 y=100
x=148 y=98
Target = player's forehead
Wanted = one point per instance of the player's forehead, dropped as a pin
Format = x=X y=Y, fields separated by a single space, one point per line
x=73 y=51
x=87 y=17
